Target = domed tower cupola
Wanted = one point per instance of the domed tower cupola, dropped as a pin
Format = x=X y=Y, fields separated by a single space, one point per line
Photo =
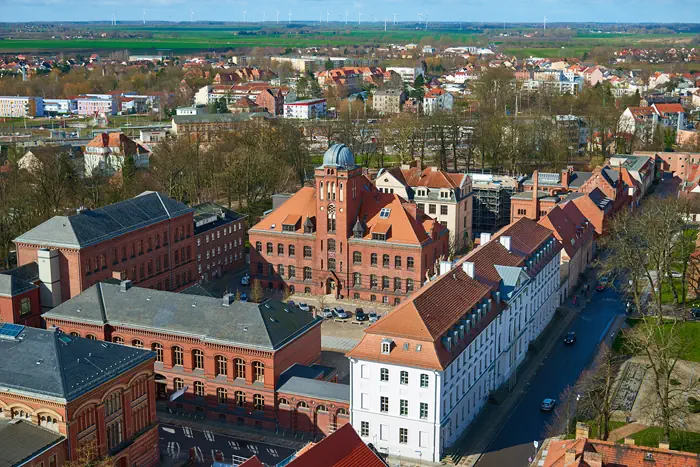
x=339 y=156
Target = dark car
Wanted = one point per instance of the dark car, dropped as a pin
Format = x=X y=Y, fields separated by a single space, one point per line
x=548 y=405
x=694 y=313
x=360 y=315
x=570 y=338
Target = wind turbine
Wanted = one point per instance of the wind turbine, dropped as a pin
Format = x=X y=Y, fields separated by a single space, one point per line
x=346 y=17
x=289 y=18
x=144 y=17
x=426 y=22
x=328 y=14
x=244 y=13
x=359 y=18
x=395 y=15
x=264 y=15
x=545 y=25
x=420 y=18
x=191 y=16
x=278 y=16
x=114 y=17
x=385 y=23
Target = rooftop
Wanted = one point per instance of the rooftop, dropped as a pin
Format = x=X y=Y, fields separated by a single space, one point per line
x=211 y=215
x=317 y=389
x=20 y=441
x=343 y=448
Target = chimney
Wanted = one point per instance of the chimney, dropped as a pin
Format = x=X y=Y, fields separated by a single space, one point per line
x=484 y=238
x=505 y=241
x=228 y=299
x=445 y=267
x=124 y=285
x=629 y=441
x=664 y=444
x=565 y=178
x=118 y=275
x=468 y=267
x=593 y=459
x=535 y=190
x=49 y=278
x=569 y=457
x=582 y=430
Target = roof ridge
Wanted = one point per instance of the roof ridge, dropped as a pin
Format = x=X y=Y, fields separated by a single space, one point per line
x=101 y=299
x=59 y=364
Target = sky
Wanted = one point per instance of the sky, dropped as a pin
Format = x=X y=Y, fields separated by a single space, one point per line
x=622 y=11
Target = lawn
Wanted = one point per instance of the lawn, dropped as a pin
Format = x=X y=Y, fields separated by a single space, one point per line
x=680 y=440
x=667 y=296
x=689 y=332
x=593 y=426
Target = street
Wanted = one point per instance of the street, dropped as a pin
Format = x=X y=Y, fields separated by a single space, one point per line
x=175 y=443
x=514 y=442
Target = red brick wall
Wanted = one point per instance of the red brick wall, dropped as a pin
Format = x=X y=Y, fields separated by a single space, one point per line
x=226 y=257
x=44 y=460
x=305 y=350
x=309 y=419
x=10 y=309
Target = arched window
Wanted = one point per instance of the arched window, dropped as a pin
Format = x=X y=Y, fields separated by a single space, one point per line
x=239 y=368
x=91 y=337
x=137 y=343
x=342 y=411
x=118 y=340
x=177 y=355
x=222 y=395
x=373 y=259
x=197 y=359
x=357 y=257
x=158 y=349
x=113 y=403
x=269 y=248
x=320 y=189
x=240 y=398
x=302 y=405
x=321 y=408
x=178 y=384
x=340 y=192
x=258 y=402
x=280 y=249
x=292 y=272
x=357 y=279
x=283 y=401
x=258 y=246
x=291 y=250
x=221 y=365
x=258 y=372
x=331 y=219
x=75 y=334
x=199 y=388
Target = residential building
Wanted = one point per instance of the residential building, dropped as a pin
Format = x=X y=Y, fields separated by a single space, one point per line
x=148 y=239
x=575 y=130
x=93 y=396
x=25 y=444
x=444 y=196
x=641 y=167
x=271 y=100
x=306 y=109
x=679 y=164
x=94 y=105
x=388 y=101
x=302 y=65
x=34 y=158
x=107 y=153
x=345 y=81
x=219 y=358
x=407 y=73
x=199 y=109
x=437 y=100
x=491 y=205
x=596 y=207
x=55 y=107
x=207 y=127
x=220 y=237
x=19 y=296
x=422 y=373
x=344 y=236
x=17 y=107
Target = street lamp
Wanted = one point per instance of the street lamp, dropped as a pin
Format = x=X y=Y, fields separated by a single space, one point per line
x=420 y=457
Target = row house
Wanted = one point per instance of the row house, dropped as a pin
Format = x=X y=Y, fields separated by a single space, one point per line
x=220 y=237
x=422 y=373
x=148 y=239
x=97 y=398
x=343 y=236
x=229 y=373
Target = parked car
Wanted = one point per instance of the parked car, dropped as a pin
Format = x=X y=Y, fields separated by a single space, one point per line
x=694 y=313
x=245 y=280
x=340 y=313
x=327 y=313
x=244 y=297
x=304 y=307
x=373 y=317
x=548 y=405
x=602 y=283
x=570 y=338
x=360 y=315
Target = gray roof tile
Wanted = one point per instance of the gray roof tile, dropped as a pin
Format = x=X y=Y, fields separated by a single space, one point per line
x=315 y=388
x=20 y=441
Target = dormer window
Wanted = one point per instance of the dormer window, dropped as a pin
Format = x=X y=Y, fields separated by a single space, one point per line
x=288 y=228
x=386 y=346
x=378 y=236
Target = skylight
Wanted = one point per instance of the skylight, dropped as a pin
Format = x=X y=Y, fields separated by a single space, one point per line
x=384 y=213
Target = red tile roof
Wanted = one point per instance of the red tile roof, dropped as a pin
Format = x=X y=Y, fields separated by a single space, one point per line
x=252 y=462
x=117 y=140
x=344 y=448
x=668 y=108
x=430 y=178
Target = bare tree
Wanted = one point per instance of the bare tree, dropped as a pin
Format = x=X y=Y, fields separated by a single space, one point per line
x=597 y=389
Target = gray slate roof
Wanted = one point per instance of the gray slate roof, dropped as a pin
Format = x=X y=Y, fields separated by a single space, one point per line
x=317 y=389
x=21 y=440
x=11 y=285
x=94 y=226
x=53 y=364
x=266 y=326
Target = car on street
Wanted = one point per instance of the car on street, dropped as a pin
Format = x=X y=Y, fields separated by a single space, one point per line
x=340 y=313
x=373 y=317
x=360 y=315
x=694 y=313
x=245 y=280
x=327 y=313
x=570 y=337
x=244 y=297
x=304 y=307
x=548 y=405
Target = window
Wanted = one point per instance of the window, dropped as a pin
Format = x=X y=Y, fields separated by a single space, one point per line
x=384 y=213
x=409 y=262
x=330 y=244
x=282 y=401
x=137 y=343
x=307 y=273
x=373 y=281
x=258 y=246
x=118 y=340
x=397 y=262
x=357 y=279
x=93 y=338
x=52 y=461
x=383 y=404
x=113 y=403
x=258 y=372
x=404 y=377
x=356 y=257
x=307 y=252
x=424 y=380
x=423 y=410
x=178 y=384
x=385 y=282
x=221 y=365
x=280 y=249
x=431 y=209
x=386 y=347
x=373 y=259
x=364 y=429
x=403 y=407
x=291 y=250
x=443 y=210
x=222 y=395
x=292 y=271
x=239 y=368
x=331 y=218
x=331 y=264
x=385 y=261
x=197 y=359
x=397 y=283
x=240 y=398
x=403 y=435
x=25 y=306
x=199 y=388
x=384 y=374
x=177 y=356
x=158 y=349
x=280 y=270
x=75 y=334
x=409 y=285
x=258 y=402
x=378 y=236
x=302 y=405
x=269 y=248
x=289 y=227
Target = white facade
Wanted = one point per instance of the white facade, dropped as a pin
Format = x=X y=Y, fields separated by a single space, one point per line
x=305 y=110
x=193 y=110
x=407 y=73
x=438 y=103
x=438 y=413
x=18 y=106
x=97 y=105
x=108 y=161
x=60 y=106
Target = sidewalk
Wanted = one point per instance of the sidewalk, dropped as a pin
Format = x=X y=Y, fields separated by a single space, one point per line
x=625 y=431
x=476 y=439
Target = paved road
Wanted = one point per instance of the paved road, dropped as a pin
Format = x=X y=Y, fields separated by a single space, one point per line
x=175 y=443
x=514 y=443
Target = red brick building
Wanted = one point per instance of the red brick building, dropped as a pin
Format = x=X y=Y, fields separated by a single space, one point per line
x=148 y=239
x=343 y=236
x=272 y=100
x=220 y=237
x=94 y=395
x=221 y=358
x=19 y=296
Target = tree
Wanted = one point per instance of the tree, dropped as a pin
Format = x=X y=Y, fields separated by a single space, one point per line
x=54 y=181
x=87 y=455
x=256 y=292
x=597 y=387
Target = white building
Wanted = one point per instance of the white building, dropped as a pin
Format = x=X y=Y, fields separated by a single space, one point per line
x=306 y=109
x=19 y=106
x=437 y=100
x=407 y=73
x=95 y=104
x=423 y=372
x=60 y=106
x=107 y=152
x=192 y=110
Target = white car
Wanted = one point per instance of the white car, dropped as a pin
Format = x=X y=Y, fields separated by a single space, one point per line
x=245 y=280
x=304 y=307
